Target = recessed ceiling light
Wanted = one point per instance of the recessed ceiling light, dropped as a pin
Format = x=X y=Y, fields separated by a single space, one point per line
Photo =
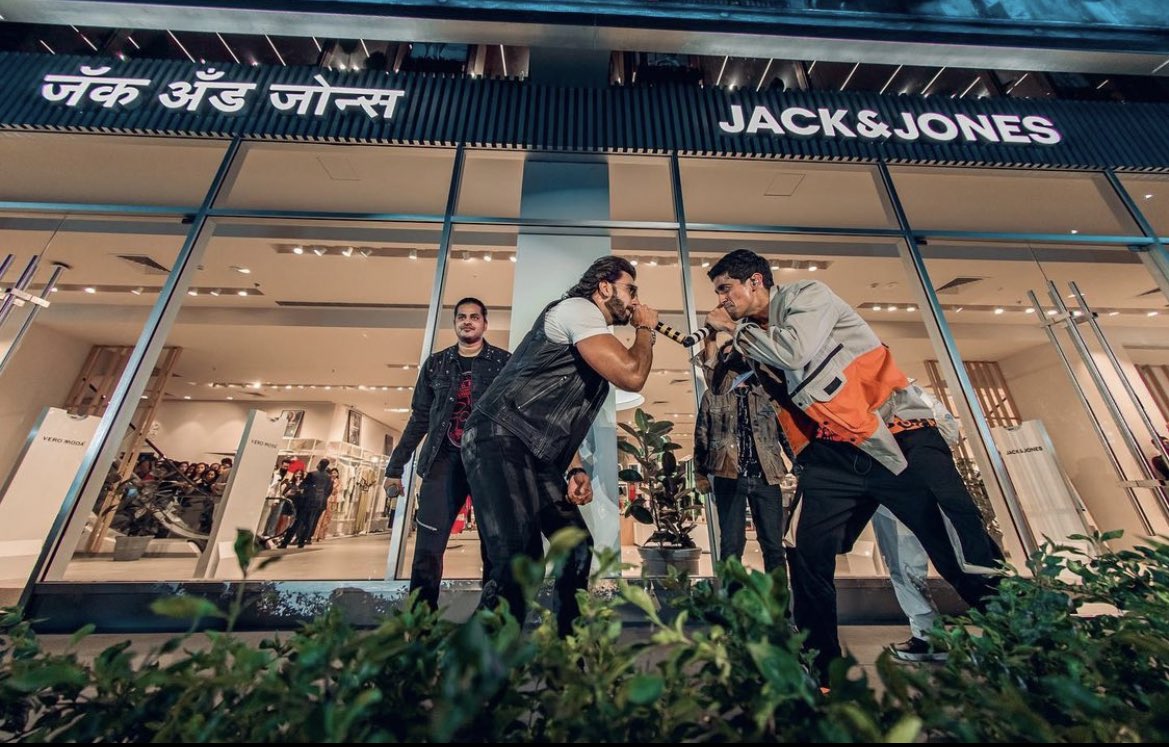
x=633 y=262
x=91 y=289
x=1075 y=230
x=1029 y=310
x=911 y=308
x=347 y=251
x=413 y=254
x=136 y=291
x=813 y=267
x=298 y=250
x=319 y=250
x=1152 y=313
x=186 y=396
x=487 y=257
x=1000 y=310
x=241 y=293
x=215 y=292
x=877 y=308
x=193 y=292
x=706 y=263
x=241 y=270
x=1148 y=197
x=1114 y=312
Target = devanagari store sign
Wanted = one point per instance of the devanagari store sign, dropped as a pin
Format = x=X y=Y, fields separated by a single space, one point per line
x=211 y=89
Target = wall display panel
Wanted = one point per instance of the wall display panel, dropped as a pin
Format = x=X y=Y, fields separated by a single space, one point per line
x=318 y=326
x=104 y=169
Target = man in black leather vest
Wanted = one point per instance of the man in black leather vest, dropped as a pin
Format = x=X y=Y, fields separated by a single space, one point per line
x=525 y=431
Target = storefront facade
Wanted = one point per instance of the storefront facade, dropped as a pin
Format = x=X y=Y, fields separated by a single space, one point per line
x=265 y=255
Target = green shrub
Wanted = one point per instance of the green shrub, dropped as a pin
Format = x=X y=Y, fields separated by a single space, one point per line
x=722 y=666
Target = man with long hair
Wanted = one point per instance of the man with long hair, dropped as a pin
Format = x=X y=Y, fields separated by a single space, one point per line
x=524 y=433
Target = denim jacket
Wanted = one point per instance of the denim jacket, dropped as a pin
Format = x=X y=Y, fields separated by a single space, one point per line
x=434 y=402
x=716 y=434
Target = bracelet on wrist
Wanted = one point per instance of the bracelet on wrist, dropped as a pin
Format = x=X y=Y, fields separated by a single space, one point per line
x=653 y=333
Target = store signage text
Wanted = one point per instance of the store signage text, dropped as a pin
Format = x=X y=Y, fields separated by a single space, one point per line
x=867 y=124
x=93 y=84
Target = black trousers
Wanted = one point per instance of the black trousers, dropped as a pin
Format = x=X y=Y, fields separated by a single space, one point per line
x=444 y=490
x=518 y=498
x=731 y=498
x=307 y=516
x=842 y=487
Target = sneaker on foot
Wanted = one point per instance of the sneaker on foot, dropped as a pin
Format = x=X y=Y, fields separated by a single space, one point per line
x=916 y=649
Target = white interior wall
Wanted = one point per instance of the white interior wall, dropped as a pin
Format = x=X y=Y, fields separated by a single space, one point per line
x=40 y=375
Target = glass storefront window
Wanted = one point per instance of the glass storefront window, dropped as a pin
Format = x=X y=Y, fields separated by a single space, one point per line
x=783 y=193
x=43 y=167
x=1011 y=201
x=341 y=179
x=56 y=382
x=1151 y=194
x=309 y=334
x=1057 y=462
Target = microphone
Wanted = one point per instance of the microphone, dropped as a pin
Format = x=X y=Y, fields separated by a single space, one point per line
x=687 y=340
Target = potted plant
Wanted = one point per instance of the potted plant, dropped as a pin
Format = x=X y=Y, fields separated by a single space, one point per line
x=663 y=498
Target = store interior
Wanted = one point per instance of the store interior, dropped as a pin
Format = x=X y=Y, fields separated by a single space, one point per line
x=320 y=323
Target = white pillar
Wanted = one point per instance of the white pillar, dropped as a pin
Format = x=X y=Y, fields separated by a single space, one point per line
x=547 y=265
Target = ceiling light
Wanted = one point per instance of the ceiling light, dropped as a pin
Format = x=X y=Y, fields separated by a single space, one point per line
x=186 y=396
x=774 y=268
x=891 y=308
x=366 y=252
x=1051 y=312
x=653 y=263
x=876 y=307
x=241 y=293
x=1114 y=312
x=319 y=250
x=1029 y=310
x=1000 y=310
x=413 y=254
x=215 y=292
x=466 y=256
x=1076 y=312
x=347 y=251
x=91 y=289
x=54 y=289
x=241 y=270
x=298 y=250
x=137 y=291
x=512 y=258
x=1075 y=230
x=230 y=397
x=633 y=262
x=813 y=267
x=193 y=292
x=911 y=308
x=706 y=263
x=1148 y=197
x=487 y=257
x=1152 y=313
x=959 y=309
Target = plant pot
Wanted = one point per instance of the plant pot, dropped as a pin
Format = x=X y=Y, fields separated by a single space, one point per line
x=130 y=548
x=655 y=560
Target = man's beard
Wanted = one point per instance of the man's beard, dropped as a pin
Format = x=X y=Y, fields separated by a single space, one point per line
x=469 y=338
x=619 y=311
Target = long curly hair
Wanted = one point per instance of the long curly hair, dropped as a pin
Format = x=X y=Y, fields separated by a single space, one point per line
x=605 y=268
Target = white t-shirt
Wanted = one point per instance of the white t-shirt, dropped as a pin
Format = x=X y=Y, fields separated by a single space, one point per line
x=573 y=320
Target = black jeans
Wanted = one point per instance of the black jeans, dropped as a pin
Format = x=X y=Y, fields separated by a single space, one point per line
x=842 y=487
x=444 y=490
x=518 y=498
x=731 y=498
x=307 y=516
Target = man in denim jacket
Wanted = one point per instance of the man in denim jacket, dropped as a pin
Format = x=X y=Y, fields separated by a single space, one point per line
x=737 y=446
x=449 y=384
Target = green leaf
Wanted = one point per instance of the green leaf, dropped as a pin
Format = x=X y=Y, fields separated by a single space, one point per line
x=629 y=475
x=639 y=511
x=628 y=448
x=645 y=688
x=630 y=430
x=563 y=542
x=669 y=463
x=185 y=608
x=641 y=419
x=246 y=548
x=904 y=731
x=47 y=676
x=82 y=632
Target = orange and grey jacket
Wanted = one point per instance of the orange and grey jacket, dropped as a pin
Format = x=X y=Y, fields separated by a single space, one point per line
x=831 y=375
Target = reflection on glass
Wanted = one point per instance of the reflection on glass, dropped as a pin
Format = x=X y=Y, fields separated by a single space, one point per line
x=316 y=328
x=1150 y=192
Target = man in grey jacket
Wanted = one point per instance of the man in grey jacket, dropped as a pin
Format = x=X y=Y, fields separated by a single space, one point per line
x=863 y=435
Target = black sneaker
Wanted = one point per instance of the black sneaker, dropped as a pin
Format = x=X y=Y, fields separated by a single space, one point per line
x=916 y=649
